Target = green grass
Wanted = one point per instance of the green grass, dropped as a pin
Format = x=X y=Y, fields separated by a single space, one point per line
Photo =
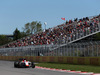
x=87 y=68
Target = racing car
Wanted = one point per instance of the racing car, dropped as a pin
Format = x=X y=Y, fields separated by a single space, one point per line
x=23 y=63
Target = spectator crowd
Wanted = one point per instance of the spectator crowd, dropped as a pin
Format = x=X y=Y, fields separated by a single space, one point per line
x=65 y=33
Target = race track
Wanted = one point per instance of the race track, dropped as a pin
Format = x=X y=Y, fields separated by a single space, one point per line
x=7 y=68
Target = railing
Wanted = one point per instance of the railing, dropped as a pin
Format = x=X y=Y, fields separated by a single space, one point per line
x=79 y=34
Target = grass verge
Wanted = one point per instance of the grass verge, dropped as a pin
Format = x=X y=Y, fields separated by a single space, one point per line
x=87 y=68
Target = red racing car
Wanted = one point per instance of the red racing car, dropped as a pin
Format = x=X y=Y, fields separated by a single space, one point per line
x=23 y=63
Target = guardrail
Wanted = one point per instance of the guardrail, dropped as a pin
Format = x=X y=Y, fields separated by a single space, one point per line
x=58 y=59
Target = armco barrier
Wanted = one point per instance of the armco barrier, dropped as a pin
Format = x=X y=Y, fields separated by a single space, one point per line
x=52 y=59
x=57 y=59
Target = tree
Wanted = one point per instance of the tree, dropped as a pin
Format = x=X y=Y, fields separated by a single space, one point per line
x=4 y=39
x=97 y=36
x=32 y=27
x=39 y=27
x=26 y=28
x=16 y=34
x=23 y=34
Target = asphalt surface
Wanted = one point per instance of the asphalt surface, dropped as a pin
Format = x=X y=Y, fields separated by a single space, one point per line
x=7 y=68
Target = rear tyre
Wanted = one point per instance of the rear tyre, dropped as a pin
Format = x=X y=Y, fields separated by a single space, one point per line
x=33 y=65
x=23 y=65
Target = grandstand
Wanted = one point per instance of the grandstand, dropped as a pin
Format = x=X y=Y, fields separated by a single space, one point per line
x=59 y=40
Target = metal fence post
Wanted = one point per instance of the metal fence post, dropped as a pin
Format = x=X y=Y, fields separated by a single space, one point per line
x=92 y=48
x=97 y=48
x=70 y=50
x=73 y=50
x=77 y=49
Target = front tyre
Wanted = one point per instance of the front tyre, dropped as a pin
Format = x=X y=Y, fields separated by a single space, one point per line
x=15 y=64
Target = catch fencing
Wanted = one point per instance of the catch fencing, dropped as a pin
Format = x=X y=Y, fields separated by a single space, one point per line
x=83 y=49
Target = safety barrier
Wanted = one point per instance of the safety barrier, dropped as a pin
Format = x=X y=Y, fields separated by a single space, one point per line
x=57 y=59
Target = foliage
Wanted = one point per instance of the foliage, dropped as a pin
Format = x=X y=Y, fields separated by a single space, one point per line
x=39 y=28
x=23 y=34
x=4 y=39
x=32 y=27
x=97 y=36
x=16 y=34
